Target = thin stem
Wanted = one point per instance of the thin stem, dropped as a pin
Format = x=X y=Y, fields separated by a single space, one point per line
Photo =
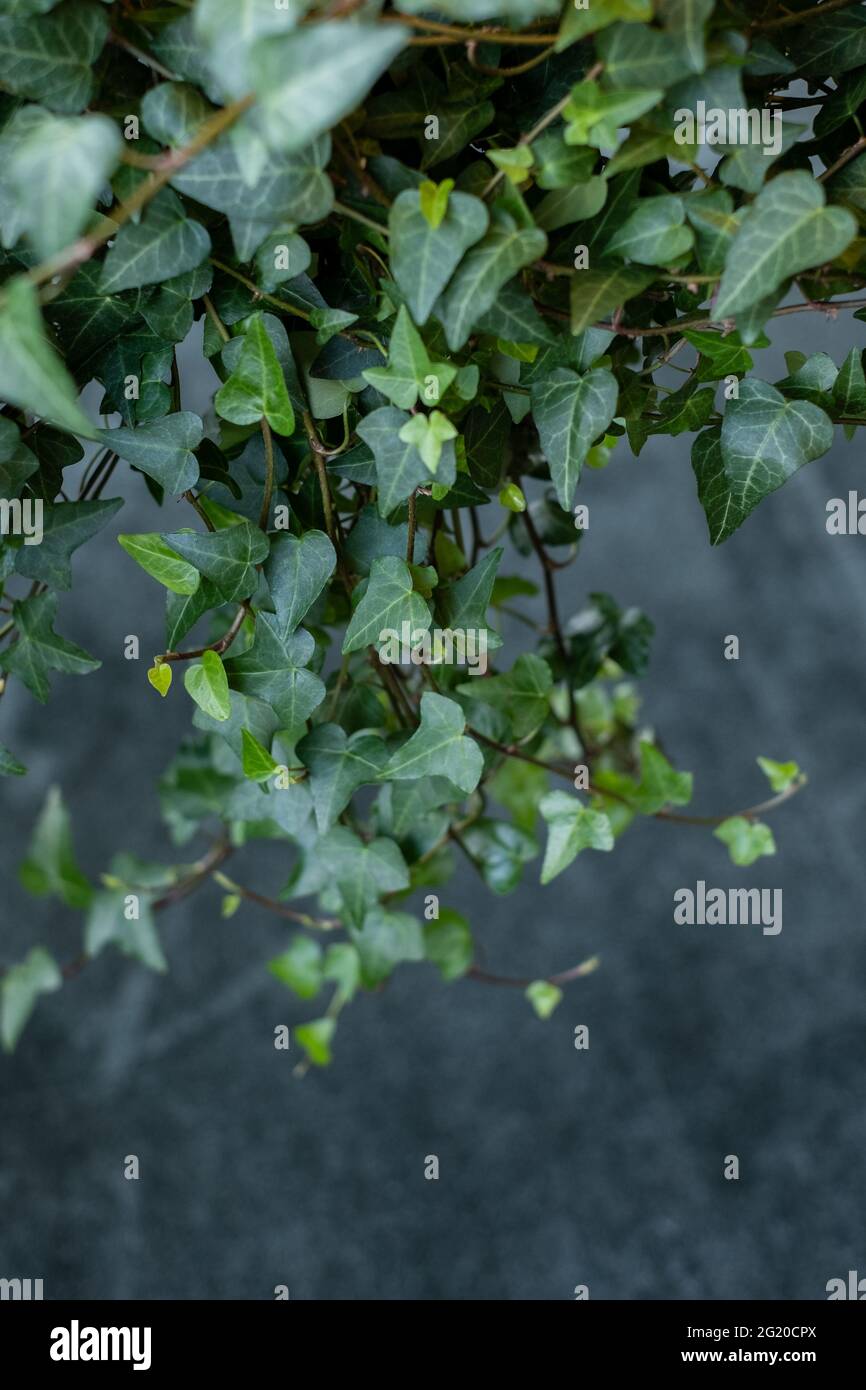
x=804 y=15
x=303 y=919
x=410 y=538
x=359 y=217
x=320 y=453
x=269 y=474
x=453 y=31
x=576 y=972
x=215 y=318
x=845 y=157
x=219 y=647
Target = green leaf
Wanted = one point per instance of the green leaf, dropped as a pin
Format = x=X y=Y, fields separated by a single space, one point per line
x=400 y=469
x=9 y=765
x=50 y=57
x=309 y=80
x=20 y=989
x=501 y=850
x=635 y=56
x=448 y=944
x=720 y=356
x=849 y=388
x=780 y=775
x=685 y=21
x=228 y=557
x=389 y=601
x=594 y=116
x=206 y=683
x=764 y=439
x=489 y=265
x=835 y=45
x=257 y=386
x=299 y=968
x=31 y=374
x=38 y=649
x=660 y=784
x=274 y=670
x=160 y=677
x=429 y=434
x=577 y=23
x=386 y=940
x=150 y=552
x=362 y=871
x=465 y=603
x=17 y=463
x=787 y=229
x=338 y=765
x=577 y=203
x=654 y=234
x=168 y=312
x=315 y=1038
x=544 y=997
x=438 y=747
x=571 y=827
x=433 y=203
x=57 y=170
x=410 y=372
x=514 y=163
x=66 y=526
x=746 y=840
x=570 y=412
x=595 y=293
x=523 y=694
x=297 y=570
x=162 y=448
x=50 y=866
x=164 y=244
x=257 y=762
x=424 y=253
x=114 y=920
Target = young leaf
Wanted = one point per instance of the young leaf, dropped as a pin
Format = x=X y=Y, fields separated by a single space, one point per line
x=20 y=989
x=544 y=997
x=746 y=840
x=779 y=775
x=50 y=866
x=257 y=762
x=257 y=386
x=161 y=563
x=571 y=827
x=159 y=676
x=115 y=918
x=429 y=434
x=206 y=683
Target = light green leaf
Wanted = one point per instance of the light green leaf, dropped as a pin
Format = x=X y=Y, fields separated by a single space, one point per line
x=438 y=747
x=299 y=968
x=389 y=601
x=595 y=293
x=113 y=919
x=228 y=557
x=50 y=866
x=164 y=244
x=779 y=775
x=162 y=448
x=424 y=256
x=544 y=997
x=160 y=677
x=577 y=23
x=594 y=116
x=429 y=434
x=150 y=552
x=31 y=374
x=399 y=466
x=484 y=270
x=432 y=202
x=571 y=827
x=274 y=670
x=570 y=412
x=20 y=988
x=57 y=170
x=257 y=762
x=315 y=1038
x=746 y=840
x=787 y=229
x=410 y=372
x=206 y=683
x=38 y=649
x=257 y=386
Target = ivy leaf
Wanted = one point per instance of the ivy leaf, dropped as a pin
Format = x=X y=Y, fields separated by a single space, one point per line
x=50 y=866
x=20 y=989
x=57 y=170
x=315 y=1038
x=746 y=840
x=390 y=601
x=764 y=439
x=787 y=229
x=400 y=469
x=338 y=765
x=489 y=265
x=17 y=463
x=595 y=293
x=362 y=872
x=307 y=81
x=410 y=372
x=169 y=311
x=523 y=694
x=156 y=559
x=66 y=526
x=206 y=683
x=160 y=677
x=780 y=775
x=544 y=997
x=465 y=603
x=299 y=968
x=426 y=250
x=577 y=203
x=836 y=45
x=577 y=23
x=501 y=849
x=448 y=943
x=386 y=940
x=429 y=434
x=635 y=56
x=50 y=57
x=31 y=374
x=163 y=449
x=654 y=234
x=720 y=356
x=256 y=761
x=257 y=386
x=660 y=784
x=38 y=649
x=685 y=21
x=227 y=557
x=297 y=570
x=594 y=116
x=570 y=412
x=438 y=747
x=273 y=670
x=849 y=388
x=164 y=244
x=433 y=202
x=113 y=920
x=571 y=827
x=9 y=765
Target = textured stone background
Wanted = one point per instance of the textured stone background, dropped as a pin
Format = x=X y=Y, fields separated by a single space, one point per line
x=557 y=1167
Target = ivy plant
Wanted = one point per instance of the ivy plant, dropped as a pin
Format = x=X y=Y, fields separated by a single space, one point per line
x=438 y=258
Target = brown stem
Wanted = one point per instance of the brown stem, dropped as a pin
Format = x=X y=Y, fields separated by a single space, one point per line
x=219 y=647
x=563 y=978
x=410 y=539
x=269 y=474
x=814 y=13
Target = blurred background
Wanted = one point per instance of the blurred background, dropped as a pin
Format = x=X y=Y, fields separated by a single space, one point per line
x=557 y=1167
